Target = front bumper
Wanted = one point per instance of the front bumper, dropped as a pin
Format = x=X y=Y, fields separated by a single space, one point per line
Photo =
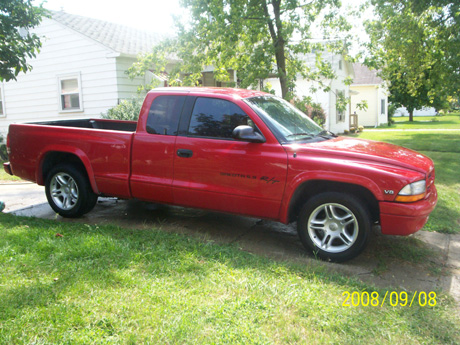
x=7 y=168
x=405 y=219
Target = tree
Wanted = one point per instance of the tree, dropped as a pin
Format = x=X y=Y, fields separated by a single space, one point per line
x=16 y=42
x=415 y=45
x=256 y=38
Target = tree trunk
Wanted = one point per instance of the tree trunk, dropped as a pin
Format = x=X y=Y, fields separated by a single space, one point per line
x=411 y=115
x=276 y=33
x=281 y=64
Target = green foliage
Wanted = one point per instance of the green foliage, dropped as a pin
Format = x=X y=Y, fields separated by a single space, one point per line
x=3 y=153
x=313 y=110
x=258 y=39
x=17 y=44
x=362 y=105
x=416 y=46
x=392 y=107
x=127 y=110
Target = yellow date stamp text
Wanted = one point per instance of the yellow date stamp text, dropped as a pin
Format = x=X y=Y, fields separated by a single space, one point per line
x=393 y=298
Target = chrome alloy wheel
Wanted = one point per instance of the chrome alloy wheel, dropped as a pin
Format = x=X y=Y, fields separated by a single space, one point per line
x=333 y=228
x=64 y=191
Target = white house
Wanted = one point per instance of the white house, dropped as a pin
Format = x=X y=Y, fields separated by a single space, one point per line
x=336 y=121
x=371 y=88
x=79 y=72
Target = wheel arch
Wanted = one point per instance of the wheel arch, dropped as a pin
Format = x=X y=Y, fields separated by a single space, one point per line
x=311 y=188
x=51 y=158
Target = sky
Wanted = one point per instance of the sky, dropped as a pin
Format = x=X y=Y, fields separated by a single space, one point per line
x=151 y=15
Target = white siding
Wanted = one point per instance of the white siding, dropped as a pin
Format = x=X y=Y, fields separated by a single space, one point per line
x=373 y=94
x=369 y=93
x=34 y=96
x=127 y=88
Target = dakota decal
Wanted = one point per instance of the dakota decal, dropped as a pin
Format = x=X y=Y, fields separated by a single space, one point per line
x=266 y=179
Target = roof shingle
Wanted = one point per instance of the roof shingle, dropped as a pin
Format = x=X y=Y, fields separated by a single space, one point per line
x=120 y=38
x=365 y=76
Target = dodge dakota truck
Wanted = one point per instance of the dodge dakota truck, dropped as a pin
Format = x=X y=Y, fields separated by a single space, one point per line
x=236 y=151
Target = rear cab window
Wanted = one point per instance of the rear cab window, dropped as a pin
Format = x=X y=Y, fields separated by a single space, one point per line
x=164 y=115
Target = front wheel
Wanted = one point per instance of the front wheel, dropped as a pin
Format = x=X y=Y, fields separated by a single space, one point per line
x=68 y=191
x=334 y=226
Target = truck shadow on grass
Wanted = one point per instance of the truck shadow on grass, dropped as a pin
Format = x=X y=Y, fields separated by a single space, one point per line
x=388 y=261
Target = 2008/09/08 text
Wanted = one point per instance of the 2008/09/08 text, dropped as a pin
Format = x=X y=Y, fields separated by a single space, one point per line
x=393 y=298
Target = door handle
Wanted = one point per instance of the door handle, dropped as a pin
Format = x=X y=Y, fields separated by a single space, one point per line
x=184 y=153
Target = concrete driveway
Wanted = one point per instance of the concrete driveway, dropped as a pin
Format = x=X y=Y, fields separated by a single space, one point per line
x=267 y=238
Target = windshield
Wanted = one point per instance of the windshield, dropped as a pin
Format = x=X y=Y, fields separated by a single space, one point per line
x=286 y=121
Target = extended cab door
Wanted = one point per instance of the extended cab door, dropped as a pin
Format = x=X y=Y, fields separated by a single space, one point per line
x=214 y=171
x=153 y=150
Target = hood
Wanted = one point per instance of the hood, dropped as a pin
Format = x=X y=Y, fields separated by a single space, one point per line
x=368 y=150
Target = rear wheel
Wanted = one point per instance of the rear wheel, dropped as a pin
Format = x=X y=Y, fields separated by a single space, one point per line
x=334 y=226
x=68 y=191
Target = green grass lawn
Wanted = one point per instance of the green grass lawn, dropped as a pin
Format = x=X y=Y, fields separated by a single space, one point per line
x=109 y=285
x=444 y=149
x=5 y=177
x=451 y=121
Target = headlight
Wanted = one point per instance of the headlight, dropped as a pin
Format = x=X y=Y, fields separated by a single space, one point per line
x=412 y=192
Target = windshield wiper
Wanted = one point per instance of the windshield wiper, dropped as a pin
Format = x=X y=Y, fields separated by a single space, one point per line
x=308 y=135
x=326 y=134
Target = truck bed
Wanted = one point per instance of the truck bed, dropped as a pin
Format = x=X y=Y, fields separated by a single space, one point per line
x=103 y=146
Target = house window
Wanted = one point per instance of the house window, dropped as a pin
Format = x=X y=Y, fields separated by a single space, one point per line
x=2 y=102
x=382 y=107
x=70 y=93
x=340 y=104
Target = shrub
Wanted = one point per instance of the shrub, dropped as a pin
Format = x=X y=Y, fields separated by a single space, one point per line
x=3 y=154
x=313 y=110
x=391 y=111
x=352 y=130
x=127 y=110
x=346 y=131
x=361 y=128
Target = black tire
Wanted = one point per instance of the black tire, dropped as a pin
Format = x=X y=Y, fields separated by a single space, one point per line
x=92 y=201
x=69 y=192
x=334 y=226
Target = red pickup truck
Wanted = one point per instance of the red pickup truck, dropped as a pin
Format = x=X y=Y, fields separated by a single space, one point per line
x=237 y=151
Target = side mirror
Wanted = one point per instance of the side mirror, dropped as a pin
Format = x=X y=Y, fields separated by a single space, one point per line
x=246 y=133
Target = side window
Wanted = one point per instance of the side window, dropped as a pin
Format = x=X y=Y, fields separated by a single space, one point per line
x=340 y=94
x=164 y=115
x=216 y=118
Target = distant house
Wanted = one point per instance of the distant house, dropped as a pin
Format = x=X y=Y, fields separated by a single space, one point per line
x=425 y=111
x=336 y=121
x=79 y=72
x=371 y=88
